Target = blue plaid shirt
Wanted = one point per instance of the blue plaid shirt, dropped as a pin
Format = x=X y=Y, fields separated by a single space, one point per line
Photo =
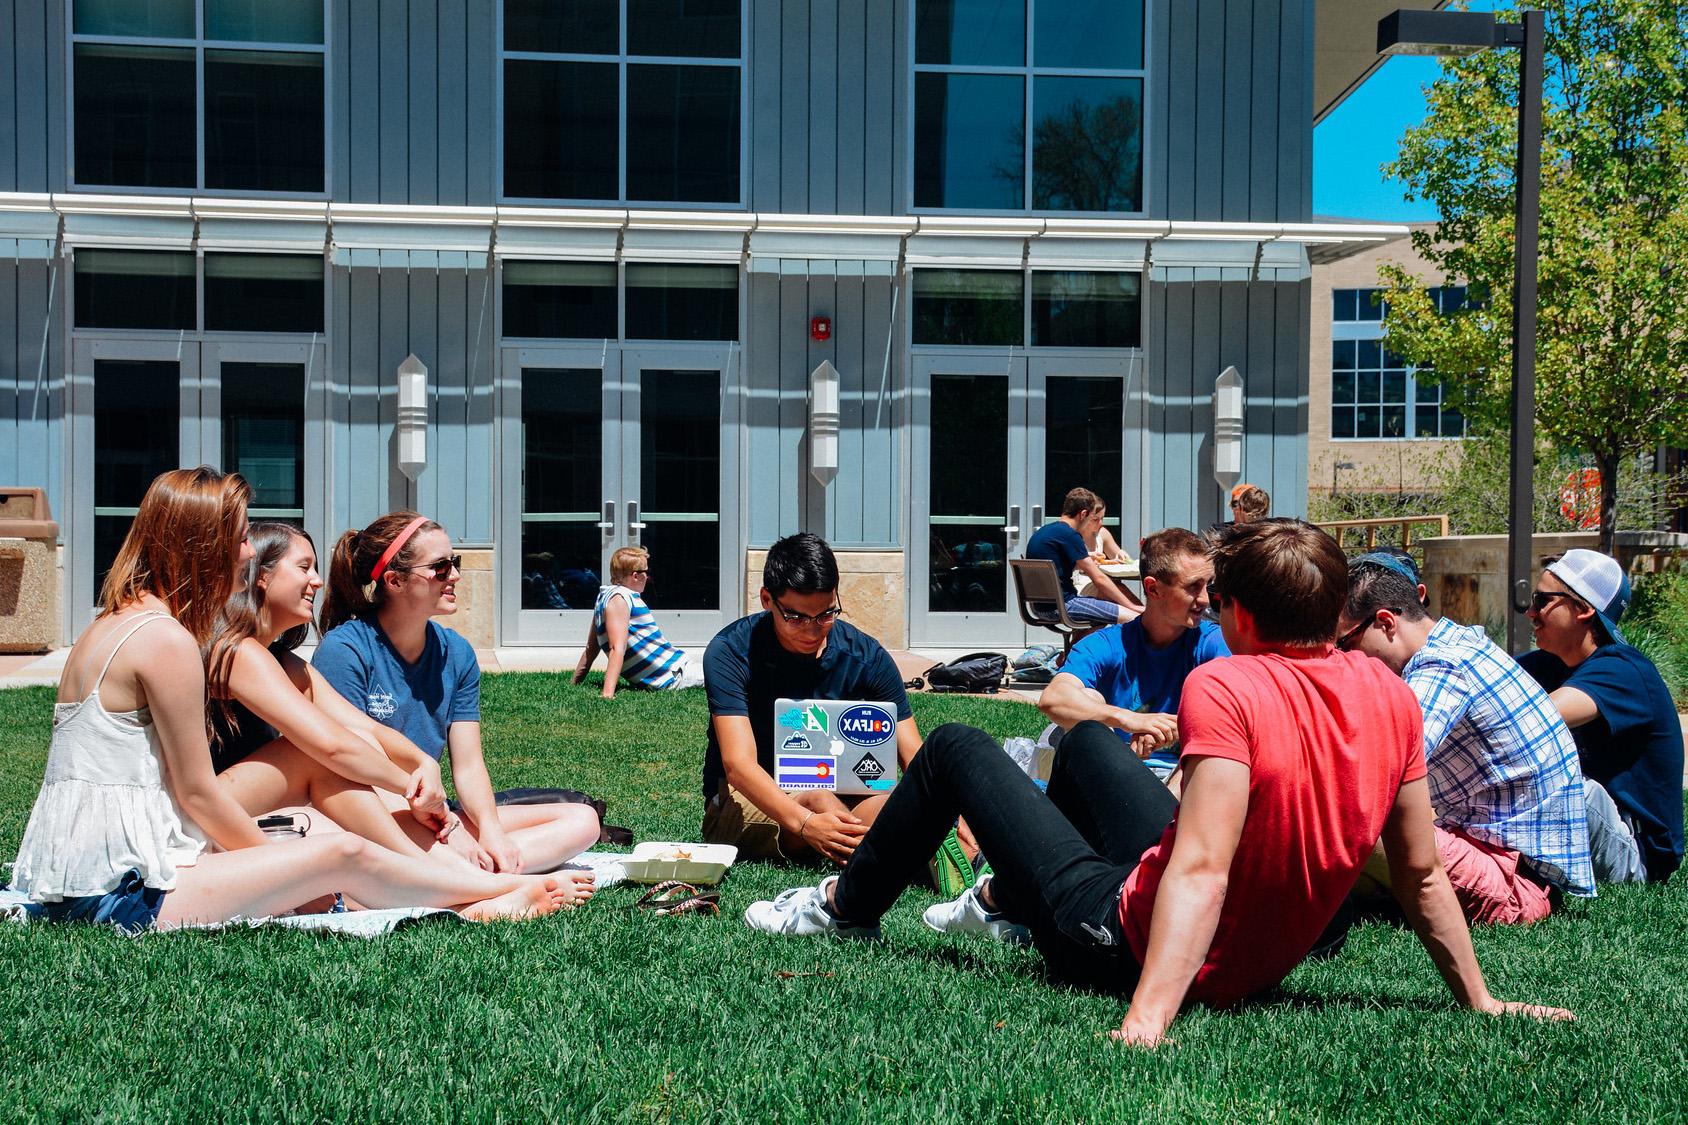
x=1502 y=764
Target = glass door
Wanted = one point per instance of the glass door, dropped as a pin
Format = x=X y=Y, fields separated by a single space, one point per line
x=261 y=415
x=997 y=445
x=969 y=501
x=134 y=409
x=606 y=449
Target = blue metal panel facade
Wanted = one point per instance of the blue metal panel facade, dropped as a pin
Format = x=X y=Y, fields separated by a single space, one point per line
x=413 y=99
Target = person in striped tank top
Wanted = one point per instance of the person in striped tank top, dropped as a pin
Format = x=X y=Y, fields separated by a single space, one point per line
x=625 y=629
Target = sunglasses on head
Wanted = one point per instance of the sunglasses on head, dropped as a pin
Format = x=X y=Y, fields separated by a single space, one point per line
x=440 y=568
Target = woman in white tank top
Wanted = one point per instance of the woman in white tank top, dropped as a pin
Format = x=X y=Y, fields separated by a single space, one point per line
x=119 y=831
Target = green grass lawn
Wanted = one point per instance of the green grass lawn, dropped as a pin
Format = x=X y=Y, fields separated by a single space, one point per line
x=611 y=1014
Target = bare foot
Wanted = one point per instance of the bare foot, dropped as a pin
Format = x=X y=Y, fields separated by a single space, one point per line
x=578 y=886
x=532 y=899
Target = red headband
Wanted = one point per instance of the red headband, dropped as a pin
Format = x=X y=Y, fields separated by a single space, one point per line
x=395 y=547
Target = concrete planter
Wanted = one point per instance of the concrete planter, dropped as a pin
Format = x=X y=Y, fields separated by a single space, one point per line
x=1465 y=575
x=29 y=581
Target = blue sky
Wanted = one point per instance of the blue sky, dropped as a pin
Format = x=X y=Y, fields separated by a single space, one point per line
x=1363 y=133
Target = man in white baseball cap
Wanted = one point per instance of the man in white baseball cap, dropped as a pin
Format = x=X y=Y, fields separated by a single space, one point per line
x=1620 y=713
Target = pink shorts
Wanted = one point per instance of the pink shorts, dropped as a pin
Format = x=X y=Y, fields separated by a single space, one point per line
x=1490 y=888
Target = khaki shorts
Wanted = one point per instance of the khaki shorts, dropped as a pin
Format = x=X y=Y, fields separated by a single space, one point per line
x=730 y=817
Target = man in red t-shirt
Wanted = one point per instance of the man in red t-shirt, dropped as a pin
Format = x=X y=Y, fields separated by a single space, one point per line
x=1298 y=758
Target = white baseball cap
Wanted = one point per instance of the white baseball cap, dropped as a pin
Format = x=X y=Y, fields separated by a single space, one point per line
x=1598 y=580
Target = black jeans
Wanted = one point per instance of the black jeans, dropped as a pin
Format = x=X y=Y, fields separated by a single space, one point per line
x=1057 y=861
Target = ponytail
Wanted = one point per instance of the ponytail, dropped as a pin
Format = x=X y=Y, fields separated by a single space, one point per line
x=351 y=591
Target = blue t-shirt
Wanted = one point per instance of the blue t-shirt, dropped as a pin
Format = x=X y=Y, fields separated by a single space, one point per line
x=1061 y=545
x=1130 y=672
x=1633 y=747
x=419 y=700
x=746 y=669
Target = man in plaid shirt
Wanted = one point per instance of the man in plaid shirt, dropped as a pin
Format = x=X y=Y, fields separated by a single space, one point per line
x=1504 y=778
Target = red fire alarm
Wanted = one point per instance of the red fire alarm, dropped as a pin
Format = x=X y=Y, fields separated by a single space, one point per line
x=820 y=328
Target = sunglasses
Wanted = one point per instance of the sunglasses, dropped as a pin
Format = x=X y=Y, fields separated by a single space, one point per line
x=821 y=620
x=1348 y=640
x=441 y=569
x=1541 y=599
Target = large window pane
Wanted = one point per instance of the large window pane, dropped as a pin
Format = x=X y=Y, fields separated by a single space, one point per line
x=562 y=455
x=560 y=300
x=969 y=141
x=263 y=293
x=575 y=27
x=1089 y=34
x=561 y=136
x=682 y=302
x=706 y=29
x=1083 y=439
x=134 y=289
x=1087 y=148
x=264 y=21
x=970 y=32
x=151 y=19
x=263 y=121
x=135 y=117
x=1086 y=310
x=968 y=307
x=968 y=479
x=683 y=134
x=136 y=418
x=680 y=485
x=264 y=434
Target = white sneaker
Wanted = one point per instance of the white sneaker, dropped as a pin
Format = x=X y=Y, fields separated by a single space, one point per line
x=802 y=911
x=967 y=915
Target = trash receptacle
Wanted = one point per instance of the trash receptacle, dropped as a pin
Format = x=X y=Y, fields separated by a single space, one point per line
x=29 y=581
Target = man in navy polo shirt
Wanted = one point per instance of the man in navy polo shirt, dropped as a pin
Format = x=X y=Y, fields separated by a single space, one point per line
x=796 y=648
x=1067 y=544
x=1619 y=712
x=1130 y=676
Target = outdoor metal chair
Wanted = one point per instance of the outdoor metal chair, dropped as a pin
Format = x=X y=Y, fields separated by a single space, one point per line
x=1037 y=589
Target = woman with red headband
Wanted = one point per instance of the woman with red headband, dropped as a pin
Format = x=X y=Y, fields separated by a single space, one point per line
x=382 y=651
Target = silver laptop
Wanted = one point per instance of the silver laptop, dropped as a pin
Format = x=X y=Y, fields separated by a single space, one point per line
x=846 y=745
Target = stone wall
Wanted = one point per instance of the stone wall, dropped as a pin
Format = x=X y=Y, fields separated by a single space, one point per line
x=870 y=588
x=477 y=607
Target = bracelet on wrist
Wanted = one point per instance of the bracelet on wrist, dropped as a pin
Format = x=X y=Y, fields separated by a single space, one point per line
x=801 y=828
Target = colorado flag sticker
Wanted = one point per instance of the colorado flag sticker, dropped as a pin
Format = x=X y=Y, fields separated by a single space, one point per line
x=805 y=771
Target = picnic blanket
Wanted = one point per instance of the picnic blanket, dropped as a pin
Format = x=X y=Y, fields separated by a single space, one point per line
x=607 y=867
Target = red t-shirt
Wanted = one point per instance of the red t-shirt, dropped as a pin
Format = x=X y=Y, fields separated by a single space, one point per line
x=1328 y=742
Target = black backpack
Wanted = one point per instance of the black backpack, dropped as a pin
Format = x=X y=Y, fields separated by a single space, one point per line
x=979 y=672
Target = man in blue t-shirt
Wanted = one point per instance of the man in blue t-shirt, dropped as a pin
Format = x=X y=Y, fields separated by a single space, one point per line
x=1620 y=713
x=1130 y=677
x=796 y=648
x=1067 y=543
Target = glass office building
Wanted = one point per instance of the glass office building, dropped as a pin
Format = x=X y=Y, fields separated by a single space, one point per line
x=622 y=234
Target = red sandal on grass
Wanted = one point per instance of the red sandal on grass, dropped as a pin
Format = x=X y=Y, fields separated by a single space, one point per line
x=675 y=897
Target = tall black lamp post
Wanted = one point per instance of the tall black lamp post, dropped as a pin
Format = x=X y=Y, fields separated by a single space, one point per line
x=1407 y=32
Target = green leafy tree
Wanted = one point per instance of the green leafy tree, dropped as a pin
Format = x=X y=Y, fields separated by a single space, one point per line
x=1612 y=341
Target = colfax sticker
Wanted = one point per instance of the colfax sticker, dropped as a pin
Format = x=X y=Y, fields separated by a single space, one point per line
x=867 y=724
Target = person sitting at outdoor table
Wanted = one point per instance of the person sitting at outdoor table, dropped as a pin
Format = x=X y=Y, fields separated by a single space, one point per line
x=796 y=648
x=1130 y=677
x=1504 y=782
x=1065 y=543
x=1299 y=758
x=1249 y=502
x=625 y=629
x=1620 y=713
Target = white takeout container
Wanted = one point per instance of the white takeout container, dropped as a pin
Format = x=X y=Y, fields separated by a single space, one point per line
x=653 y=862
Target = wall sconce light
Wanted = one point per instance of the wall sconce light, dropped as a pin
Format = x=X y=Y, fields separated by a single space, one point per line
x=413 y=416
x=1228 y=428
x=823 y=422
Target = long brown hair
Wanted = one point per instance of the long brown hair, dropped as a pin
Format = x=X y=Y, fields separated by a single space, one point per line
x=181 y=548
x=351 y=590
x=271 y=540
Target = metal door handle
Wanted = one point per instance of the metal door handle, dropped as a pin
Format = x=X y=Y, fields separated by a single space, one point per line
x=608 y=522
x=1037 y=516
x=634 y=527
x=1013 y=527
